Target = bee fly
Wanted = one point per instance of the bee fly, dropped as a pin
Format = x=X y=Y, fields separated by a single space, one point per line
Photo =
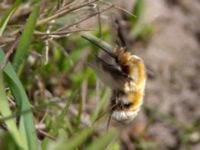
x=126 y=77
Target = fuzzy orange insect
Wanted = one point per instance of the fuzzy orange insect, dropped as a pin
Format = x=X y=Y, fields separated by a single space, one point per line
x=125 y=74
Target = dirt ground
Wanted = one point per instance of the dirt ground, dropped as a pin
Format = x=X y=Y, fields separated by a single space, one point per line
x=173 y=91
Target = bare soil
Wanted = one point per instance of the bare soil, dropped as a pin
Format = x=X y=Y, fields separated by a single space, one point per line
x=172 y=100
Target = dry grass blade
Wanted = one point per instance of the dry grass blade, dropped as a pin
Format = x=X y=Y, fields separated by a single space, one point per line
x=6 y=39
x=84 y=19
x=60 y=33
x=55 y=35
x=61 y=13
x=117 y=7
x=9 y=53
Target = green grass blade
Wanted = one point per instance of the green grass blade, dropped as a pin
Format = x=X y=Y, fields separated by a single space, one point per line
x=6 y=17
x=100 y=105
x=25 y=40
x=10 y=123
x=138 y=10
x=72 y=143
x=59 y=120
x=27 y=127
x=7 y=142
x=103 y=141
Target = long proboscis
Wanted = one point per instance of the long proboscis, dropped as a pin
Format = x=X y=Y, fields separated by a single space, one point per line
x=102 y=48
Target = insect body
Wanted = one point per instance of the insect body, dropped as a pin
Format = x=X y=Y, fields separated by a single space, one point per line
x=125 y=74
x=131 y=96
